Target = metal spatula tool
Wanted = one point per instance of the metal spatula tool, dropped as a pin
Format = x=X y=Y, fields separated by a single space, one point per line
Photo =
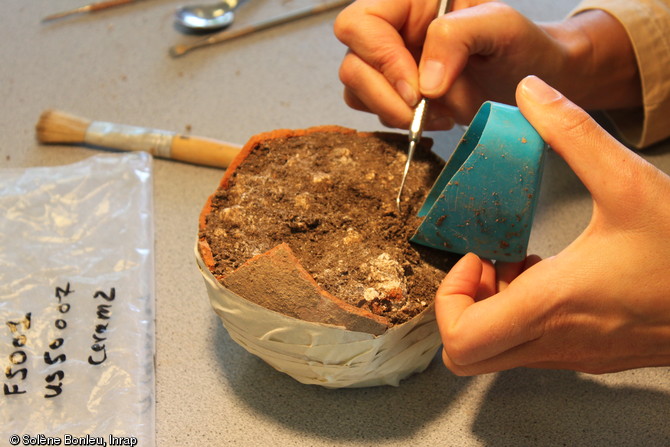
x=416 y=128
x=484 y=199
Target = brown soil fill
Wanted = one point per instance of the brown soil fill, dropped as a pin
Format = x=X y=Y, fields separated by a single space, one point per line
x=330 y=196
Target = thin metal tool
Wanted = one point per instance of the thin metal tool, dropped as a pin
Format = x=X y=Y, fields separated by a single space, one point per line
x=223 y=36
x=416 y=128
x=92 y=7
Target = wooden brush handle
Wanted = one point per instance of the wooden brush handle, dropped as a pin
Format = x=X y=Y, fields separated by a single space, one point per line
x=161 y=143
x=108 y=4
x=203 y=151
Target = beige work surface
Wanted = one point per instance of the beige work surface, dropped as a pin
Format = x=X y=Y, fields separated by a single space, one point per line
x=114 y=66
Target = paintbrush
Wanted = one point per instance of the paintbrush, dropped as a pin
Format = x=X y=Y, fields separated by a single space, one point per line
x=92 y=7
x=59 y=127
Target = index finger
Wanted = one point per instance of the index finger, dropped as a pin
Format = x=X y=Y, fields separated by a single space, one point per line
x=388 y=36
x=473 y=331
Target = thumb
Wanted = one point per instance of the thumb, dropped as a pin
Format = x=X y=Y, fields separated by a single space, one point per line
x=594 y=155
x=459 y=287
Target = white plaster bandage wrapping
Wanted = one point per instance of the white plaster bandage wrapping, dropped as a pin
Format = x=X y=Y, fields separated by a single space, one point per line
x=120 y=136
x=321 y=354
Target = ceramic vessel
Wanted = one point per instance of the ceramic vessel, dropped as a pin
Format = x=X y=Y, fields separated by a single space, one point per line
x=356 y=349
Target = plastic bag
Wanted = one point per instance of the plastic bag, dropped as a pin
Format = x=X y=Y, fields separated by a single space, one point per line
x=77 y=303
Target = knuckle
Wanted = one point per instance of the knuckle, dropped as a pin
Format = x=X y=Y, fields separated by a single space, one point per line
x=342 y=32
x=351 y=100
x=440 y=28
x=350 y=70
x=495 y=8
x=457 y=348
x=577 y=124
x=455 y=368
x=342 y=28
x=499 y=9
x=385 y=59
x=346 y=74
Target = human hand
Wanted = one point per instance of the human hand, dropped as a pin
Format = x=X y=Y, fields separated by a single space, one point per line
x=478 y=52
x=600 y=305
x=387 y=38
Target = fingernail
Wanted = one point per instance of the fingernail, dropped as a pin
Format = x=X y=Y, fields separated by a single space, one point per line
x=407 y=93
x=539 y=91
x=431 y=75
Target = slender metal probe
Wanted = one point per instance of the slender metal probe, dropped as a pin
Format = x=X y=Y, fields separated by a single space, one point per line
x=414 y=137
x=416 y=128
x=223 y=36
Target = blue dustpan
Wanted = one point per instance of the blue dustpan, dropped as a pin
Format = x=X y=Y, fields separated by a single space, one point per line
x=484 y=199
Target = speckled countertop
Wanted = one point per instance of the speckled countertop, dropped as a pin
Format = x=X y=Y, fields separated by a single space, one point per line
x=114 y=66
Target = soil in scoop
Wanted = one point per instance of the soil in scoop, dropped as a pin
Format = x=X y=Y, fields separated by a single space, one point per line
x=331 y=197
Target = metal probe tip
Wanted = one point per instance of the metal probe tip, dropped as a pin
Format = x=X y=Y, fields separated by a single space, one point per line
x=415 y=130
x=416 y=127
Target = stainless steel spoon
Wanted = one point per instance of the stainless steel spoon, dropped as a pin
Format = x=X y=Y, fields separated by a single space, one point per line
x=207 y=17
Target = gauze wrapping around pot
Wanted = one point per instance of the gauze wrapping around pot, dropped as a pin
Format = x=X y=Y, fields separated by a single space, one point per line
x=321 y=354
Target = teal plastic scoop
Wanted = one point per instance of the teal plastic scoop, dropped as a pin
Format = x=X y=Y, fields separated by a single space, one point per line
x=484 y=199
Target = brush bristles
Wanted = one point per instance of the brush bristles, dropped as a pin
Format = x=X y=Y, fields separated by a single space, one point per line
x=55 y=126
